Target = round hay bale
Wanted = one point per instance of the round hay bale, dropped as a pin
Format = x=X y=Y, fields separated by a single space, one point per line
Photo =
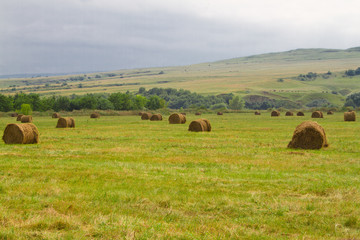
x=330 y=112
x=349 y=116
x=95 y=115
x=183 y=114
x=275 y=113
x=65 y=122
x=140 y=113
x=146 y=116
x=300 y=114
x=55 y=115
x=289 y=113
x=257 y=113
x=26 y=133
x=176 y=118
x=219 y=113
x=200 y=125
x=14 y=115
x=198 y=113
x=156 y=117
x=308 y=135
x=26 y=119
x=19 y=117
x=317 y=114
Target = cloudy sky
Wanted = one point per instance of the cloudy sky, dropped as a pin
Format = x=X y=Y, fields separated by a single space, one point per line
x=57 y=36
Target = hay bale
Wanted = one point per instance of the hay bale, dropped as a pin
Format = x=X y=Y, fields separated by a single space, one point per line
x=95 y=115
x=289 y=113
x=308 y=135
x=317 y=114
x=146 y=116
x=156 y=117
x=65 y=122
x=55 y=115
x=19 y=117
x=275 y=113
x=200 y=125
x=300 y=114
x=198 y=113
x=330 y=112
x=176 y=118
x=349 y=116
x=14 y=115
x=183 y=114
x=257 y=113
x=26 y=133
x=26 y=119
x=219 y=113
x=140 y=113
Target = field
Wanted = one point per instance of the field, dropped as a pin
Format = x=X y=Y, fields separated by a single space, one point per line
x=123 y=178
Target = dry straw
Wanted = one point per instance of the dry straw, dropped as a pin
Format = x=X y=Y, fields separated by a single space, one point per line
x=95 y=115
x=14 y=115
x=146 y=116
x=330 y=113
x=219 y=113
x=55 y=115
x=198 y=113
x=25 y=133
x=26 y=119
x=19 y=117
x=349 y=116
x=177 y=118
x=300 y=114
x=289 y=113
x=317 y=114
x=308 y=135
x=257 y=113
x=200 y=125
x=183 y=114
x=156 y=117
x=65 y=122
x=275 y=113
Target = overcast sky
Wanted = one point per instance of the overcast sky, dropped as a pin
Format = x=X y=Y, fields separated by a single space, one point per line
x=56 y=36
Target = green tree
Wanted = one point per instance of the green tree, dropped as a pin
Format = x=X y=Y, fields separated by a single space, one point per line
x=236 y=104
x=6 y=103
x=155 y=102
x=26 y=109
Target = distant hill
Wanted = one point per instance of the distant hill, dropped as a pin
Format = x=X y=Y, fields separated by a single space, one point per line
x=273 y=75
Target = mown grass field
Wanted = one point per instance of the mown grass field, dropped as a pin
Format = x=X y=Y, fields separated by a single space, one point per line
x=124 y=178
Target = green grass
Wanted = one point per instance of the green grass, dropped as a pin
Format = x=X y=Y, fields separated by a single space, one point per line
x=120 y=177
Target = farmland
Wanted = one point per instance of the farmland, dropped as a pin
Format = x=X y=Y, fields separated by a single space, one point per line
x=121 y=177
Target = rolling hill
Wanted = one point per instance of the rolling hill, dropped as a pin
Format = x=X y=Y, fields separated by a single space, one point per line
x=271 y=75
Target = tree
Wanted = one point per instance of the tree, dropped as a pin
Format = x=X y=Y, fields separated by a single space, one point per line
x=236 y=104
x=26 y=109
x=6 y=103
x=62 y=103
x=155 y=102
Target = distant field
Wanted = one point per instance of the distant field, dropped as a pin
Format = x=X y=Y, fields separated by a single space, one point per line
x=120 y=177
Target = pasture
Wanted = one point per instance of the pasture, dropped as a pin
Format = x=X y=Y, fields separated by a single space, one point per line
x=120 y=177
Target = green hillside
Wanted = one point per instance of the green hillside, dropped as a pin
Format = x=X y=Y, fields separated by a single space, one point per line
x=273 y=75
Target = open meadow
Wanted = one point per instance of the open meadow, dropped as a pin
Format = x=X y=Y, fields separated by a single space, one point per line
x=118 y=177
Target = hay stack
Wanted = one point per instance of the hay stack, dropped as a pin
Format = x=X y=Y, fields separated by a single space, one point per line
x=65 y=122
x=289 y=114
x=26 y=133
x=317 y=114
x=219 y=113
x=26 y=119
x=275 y=113
x=330 y=113
x=55 y=115
x=19 y=117
x=156 y=117
x=140 y=113
x=95 y=115
x=300 y=114
x=176 y=118
x=349 y=116
x=183 y=114
x=257 y=113
x=146 y=116
x=198 y=113
x=14 y=115
x=308 y=135
x=200 y=125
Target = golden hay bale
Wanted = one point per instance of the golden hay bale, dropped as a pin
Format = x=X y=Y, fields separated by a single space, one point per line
x=55 y=115
x=183 y=114
x=219 y=113
x=156 y=117
x=289 y=113
x=19 y=117
x=300 y=114
x=26 y=119
x=317 y=114
x=200 y=125
x=65 y=122
x=140 y=113
x=257 y=113
x=308 y=135
x=146 y=116
x=275 y=113
x=95 y=115
x=349 y=116
x=14 y=115
x=176 y=118
x=198 y=113
x=330 y=113
x=26 y=133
